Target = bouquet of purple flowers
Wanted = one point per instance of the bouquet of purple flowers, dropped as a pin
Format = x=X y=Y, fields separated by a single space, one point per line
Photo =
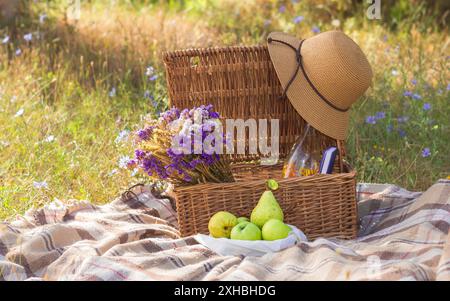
x=183 y=147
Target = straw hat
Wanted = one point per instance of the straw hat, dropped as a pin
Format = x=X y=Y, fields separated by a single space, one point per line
x=322 y=77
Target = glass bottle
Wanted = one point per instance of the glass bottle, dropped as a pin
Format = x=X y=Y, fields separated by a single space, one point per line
x=303 y=160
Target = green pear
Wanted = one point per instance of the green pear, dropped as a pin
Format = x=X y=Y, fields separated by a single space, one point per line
x=243 y=219
x=221 y=223
x=266 y=209
x=246 y=231
x=275 y=229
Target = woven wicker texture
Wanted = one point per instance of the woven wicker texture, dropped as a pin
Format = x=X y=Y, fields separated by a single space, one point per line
x=241 y=83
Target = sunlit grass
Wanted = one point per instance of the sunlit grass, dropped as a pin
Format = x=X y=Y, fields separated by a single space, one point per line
x=59 y=121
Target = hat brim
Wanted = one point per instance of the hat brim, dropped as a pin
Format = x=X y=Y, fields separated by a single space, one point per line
x=303 y=98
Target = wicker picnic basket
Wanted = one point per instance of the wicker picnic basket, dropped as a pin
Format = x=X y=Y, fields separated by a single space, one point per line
x=241 y=83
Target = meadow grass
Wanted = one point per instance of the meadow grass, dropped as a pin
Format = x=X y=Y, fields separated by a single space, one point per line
x=69 y=99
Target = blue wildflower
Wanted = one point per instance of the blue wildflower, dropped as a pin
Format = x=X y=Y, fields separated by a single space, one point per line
x=426 y=106
x=18 y=51
x=426 y=152
x=416 y=96
x=315 y=29
x=282 y=8
x=402 y=133
x=448 y=87
x=371 y=120
x=380 y=115
x=408 y=93
x=153 y=77
x=298 y=19
x=414 y=81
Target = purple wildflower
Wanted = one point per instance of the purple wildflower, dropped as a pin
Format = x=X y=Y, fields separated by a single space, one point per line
x=380 y=115
x=131 y=164
x=152 y=165
x=267 y=22
x=402 y=133
x=371 y=120
x=448 y=87
x=214 y=115
x=408 y=93
x=171 y=115
x=315 y=29
x=139 y=154
x=18 y=51
x=414 y=81
x=298 y=19
x=282 y=8
x=416 y=96
x=426 y=106
x=153 y=77
x=426 y=152
x=145 y=133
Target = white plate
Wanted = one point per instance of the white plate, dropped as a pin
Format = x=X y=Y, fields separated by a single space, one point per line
x=225 y=246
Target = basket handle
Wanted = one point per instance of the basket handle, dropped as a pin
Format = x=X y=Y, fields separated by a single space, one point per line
x=342 y=153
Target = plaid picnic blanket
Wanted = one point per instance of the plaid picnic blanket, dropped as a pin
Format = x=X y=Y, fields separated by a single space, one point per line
x=403 y=235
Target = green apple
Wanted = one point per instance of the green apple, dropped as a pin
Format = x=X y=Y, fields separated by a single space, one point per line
x=242 y=219
x=221 y=223
x=266 y=209
x=275 y=229
x=246 y=231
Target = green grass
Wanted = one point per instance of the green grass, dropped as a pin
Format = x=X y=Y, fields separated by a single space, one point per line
x=62 y=83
